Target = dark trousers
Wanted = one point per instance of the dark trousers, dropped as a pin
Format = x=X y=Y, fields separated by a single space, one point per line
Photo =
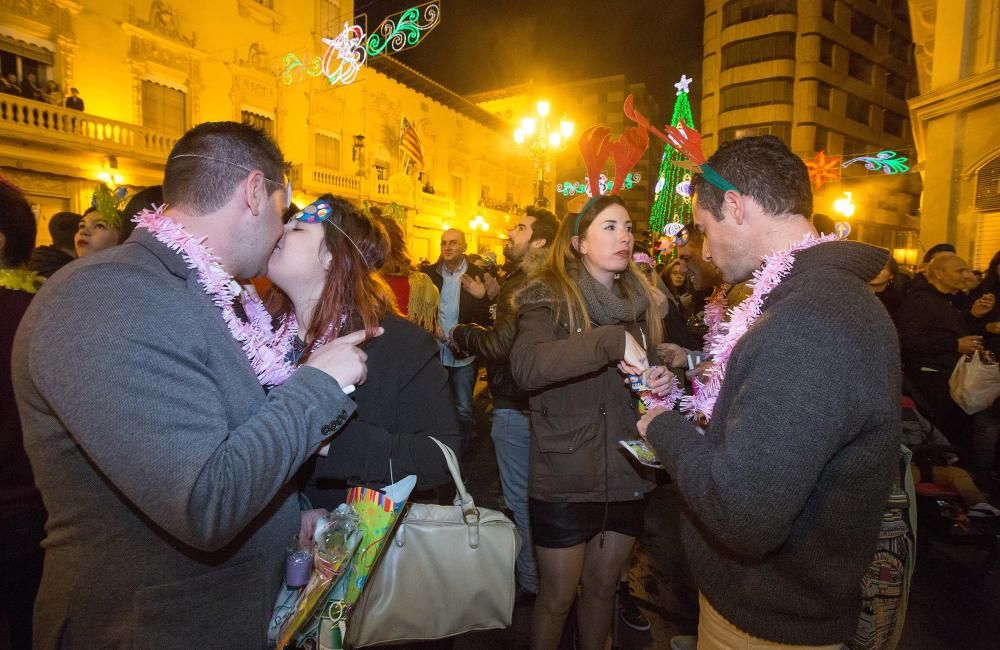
x=934 y=394
x=20 y=574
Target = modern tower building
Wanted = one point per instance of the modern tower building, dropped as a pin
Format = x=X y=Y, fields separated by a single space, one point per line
x=822 y=75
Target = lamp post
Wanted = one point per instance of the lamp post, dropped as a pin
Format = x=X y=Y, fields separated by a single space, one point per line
x=540 y=139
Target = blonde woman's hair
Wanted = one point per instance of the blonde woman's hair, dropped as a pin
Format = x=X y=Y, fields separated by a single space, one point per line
x=563 y=255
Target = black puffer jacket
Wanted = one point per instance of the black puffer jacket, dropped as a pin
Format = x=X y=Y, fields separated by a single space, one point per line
x=493 y=344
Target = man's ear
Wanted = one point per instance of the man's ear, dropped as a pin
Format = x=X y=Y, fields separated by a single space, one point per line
x=732 y=204
x=538 y=243
x=253 y=188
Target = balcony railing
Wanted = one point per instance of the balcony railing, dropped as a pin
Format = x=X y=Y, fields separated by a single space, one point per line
x=435 y=204
x=319 y=180
x=50 y=124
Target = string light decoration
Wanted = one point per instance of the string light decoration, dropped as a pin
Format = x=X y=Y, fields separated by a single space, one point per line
x=404 y=30
x=572 y=188
x=886 y=161
x=668 y=204
x=684 y=187
x=823 y=169
x=348 y=52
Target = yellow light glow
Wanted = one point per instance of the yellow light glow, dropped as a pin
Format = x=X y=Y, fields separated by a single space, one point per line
x=844 y=205
x=543 y=108
x=519 y=136
x=528 y=125
x=479 y=224
x=906 y=256
x=566 y=128
x=555 y=140
x=108 y=178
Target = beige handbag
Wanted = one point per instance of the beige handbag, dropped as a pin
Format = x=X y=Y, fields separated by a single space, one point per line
x=448 y=570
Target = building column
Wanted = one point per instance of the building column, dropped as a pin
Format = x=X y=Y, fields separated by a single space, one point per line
x=938 y=210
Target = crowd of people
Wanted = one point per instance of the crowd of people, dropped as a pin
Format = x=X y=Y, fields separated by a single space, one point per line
x=179 y=417
x=30 y=88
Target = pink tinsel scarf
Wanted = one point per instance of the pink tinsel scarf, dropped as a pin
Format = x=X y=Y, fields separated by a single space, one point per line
x=723 y=335
x=267 y=349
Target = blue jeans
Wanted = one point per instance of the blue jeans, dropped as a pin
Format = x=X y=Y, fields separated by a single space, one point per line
x=463 y=380
x=512 y=440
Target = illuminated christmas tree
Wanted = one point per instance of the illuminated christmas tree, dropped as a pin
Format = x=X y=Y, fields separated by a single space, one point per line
x=668 y=204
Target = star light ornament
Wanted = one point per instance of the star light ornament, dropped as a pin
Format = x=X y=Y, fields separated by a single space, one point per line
x=823 y=169
x=682 y=85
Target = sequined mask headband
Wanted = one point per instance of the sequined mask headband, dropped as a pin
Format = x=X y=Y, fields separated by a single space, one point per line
x=319 y=211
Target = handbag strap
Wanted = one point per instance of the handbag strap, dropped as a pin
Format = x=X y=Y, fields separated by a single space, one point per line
x=470 y=513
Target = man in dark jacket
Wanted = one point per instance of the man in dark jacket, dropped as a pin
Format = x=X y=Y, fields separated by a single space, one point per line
x=933 y=335
x=785 y=488
x=46 y=260
x=463 y=300
x=525 y=249
x=74 y=101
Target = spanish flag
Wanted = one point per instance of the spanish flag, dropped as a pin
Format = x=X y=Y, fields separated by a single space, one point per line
x=409 y=141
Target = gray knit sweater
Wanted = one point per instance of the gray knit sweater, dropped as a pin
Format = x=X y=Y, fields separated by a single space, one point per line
x=784 y=492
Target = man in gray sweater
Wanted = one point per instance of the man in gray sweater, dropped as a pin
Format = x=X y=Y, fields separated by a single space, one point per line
x=165 y=467
x=784 y=490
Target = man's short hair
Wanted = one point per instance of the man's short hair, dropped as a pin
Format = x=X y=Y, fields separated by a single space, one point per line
x=942 y=261
x=63 y=227
x=148 y=198
x=459 y=231
x=545 y=226
x=762 y=168
x=212 y=159
x=937 y=249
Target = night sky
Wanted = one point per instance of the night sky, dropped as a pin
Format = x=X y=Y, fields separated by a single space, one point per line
x=486 y=44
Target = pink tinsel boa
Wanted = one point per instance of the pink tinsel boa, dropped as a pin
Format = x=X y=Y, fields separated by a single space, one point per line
x=723 y=335
x=266 y=348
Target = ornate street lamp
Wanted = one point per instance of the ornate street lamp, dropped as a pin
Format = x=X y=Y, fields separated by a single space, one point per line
x=540 y=139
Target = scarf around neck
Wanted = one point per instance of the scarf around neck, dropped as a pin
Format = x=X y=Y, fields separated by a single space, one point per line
x=606 y=306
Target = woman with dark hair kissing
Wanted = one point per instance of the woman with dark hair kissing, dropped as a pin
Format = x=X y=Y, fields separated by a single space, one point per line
x=325 y=268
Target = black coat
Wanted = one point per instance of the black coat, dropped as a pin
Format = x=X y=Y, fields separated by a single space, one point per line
x=404 y=400
x=493 y=345
x=929 y=328
x=46 y=260
x=470 y=309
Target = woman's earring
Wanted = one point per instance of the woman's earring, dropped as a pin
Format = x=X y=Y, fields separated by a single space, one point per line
x=618 y=276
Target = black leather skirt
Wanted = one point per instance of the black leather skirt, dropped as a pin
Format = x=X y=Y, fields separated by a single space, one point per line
x=565 y=524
